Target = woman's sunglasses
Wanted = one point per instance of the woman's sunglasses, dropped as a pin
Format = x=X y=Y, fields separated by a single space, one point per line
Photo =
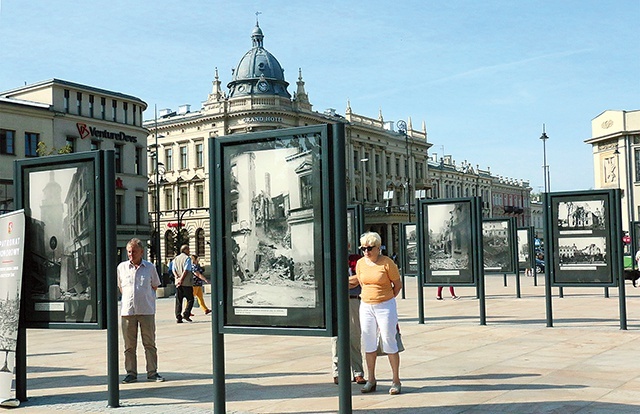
x=367 y=248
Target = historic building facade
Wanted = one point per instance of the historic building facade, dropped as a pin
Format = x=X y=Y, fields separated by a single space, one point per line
x=615 y=142
x=387 y=163
x=55 y=114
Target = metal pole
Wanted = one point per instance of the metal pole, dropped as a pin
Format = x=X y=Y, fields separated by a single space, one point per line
x=363 y=161
x=157 y=201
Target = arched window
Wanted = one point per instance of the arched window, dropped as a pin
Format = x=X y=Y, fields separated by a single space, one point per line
x=169 y=244
x=200 y=244
x=183 y=239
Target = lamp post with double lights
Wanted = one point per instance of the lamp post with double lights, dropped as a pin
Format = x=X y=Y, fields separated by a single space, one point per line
x=402 y=127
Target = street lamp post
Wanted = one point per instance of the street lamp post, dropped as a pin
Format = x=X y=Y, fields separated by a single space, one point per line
x=159 y=170
x=363 y=161
x=402 y=127
x=545 y=166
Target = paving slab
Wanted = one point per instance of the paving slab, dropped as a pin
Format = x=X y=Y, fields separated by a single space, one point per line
x=514 y=364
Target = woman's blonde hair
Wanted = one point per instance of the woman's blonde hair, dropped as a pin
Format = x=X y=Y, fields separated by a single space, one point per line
x=370 y=238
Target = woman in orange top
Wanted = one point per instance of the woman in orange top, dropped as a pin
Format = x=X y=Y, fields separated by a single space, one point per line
x=380 y=280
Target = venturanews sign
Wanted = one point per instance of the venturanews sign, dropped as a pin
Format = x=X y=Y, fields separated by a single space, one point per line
x=88 y=131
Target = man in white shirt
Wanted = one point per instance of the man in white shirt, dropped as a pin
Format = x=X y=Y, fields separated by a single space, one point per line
x=138 y=282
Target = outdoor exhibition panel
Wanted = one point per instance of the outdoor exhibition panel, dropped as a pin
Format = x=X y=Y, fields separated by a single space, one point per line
x=276 y=230
x=499 y=245
x=409 y=249
x=67 y=257
x=526 y=248
x=449 y=241
x=584 y=246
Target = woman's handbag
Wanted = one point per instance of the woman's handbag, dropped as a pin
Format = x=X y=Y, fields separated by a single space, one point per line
x=380 y=352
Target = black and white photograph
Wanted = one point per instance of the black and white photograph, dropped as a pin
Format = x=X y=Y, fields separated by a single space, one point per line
x=60 y=207
x=583 y=216
x=449 y=238
x=523 y=247
x=273 y=190
x=411 y=249
x=496 y=245
x=582 y=253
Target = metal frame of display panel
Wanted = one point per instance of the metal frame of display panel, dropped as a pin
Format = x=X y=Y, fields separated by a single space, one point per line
x=583 y=248
x=450 y=247
x=526 y=250
x=409 y=249
x=274 y=219
x=585 y=243
x=500 y=250
x=67 y=253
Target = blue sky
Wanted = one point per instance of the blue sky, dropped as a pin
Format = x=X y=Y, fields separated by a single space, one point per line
x=483 y=75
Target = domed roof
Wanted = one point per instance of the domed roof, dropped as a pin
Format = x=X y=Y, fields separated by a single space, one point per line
x=258 y=71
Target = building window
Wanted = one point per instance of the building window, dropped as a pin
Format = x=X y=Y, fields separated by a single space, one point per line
x=103 y=105
x=118 y=157
x=306 y=190
x=95 y=145
x=200 y=244
x=138 y=162
x=168 y=159
x=377 y=163
x=118 y=209
x=637 y=163
x=66 y=101
x=199 y=195
x=114 y=110
x=168 y=199
x=199 y=155
x=125 y=109
x=31 y=144
x=234 y=211
x=70 y=144
x=183 y=158
x=387 y=165
x=398 y=167
x=139 y=210
x=135 y=108
x=79 y=103
x=91 y=106
x=356 y=161
x=184 y=197
x=169 y=243
x=7 y=141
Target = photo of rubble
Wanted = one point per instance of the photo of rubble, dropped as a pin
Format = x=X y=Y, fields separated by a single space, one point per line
x=273 y=228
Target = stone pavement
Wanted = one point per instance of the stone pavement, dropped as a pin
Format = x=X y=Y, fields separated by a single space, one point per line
x=514 y=364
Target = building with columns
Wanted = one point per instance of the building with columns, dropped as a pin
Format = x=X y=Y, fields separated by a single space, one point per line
x=615 y=143
x=387 y=162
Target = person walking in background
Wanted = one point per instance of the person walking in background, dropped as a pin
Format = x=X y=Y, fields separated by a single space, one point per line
x=453 y=293
x=380 y=280
x=355 y=349
x=198 y=281
x=138 y=281
x=184 y=284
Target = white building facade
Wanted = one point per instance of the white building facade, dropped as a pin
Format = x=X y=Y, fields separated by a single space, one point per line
x=55 y=115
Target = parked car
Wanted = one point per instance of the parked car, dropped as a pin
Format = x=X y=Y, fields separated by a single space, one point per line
x=539 y=266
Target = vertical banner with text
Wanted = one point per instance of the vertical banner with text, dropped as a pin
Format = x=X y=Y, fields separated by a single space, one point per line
x=11 y=256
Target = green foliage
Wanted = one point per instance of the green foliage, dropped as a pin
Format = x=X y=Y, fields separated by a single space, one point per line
x=43 y=150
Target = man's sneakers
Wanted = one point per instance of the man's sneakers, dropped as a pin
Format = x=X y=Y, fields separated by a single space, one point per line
x=129 y=379
x=156 y=378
